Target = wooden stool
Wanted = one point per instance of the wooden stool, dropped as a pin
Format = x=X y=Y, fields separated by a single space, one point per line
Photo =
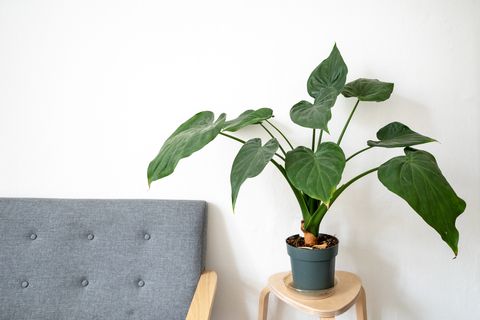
x=348 y=291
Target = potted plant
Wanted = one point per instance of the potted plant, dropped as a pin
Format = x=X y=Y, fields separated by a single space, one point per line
x=314 y=172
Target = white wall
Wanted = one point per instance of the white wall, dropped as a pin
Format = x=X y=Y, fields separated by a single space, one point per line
x=90 y=89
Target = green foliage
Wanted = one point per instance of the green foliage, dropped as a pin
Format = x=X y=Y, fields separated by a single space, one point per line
x=314 y=174
x=396 y=134
x=315 y=115
x=417 y=178
x=330 y=74
x=318 y=173
x=248 y=118
x=368 y=90
x=250 y=162
x=191 y=136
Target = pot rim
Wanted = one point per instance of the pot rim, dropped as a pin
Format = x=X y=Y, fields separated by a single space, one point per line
x=326 y=234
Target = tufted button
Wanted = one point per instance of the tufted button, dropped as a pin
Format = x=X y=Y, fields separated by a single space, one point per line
x=84 y=282
x=141 y=283
x=146 y=236
x=90 y=236
x=25 y=284
x=33 y=236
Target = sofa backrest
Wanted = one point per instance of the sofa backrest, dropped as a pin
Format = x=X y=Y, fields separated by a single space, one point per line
x=99 y=259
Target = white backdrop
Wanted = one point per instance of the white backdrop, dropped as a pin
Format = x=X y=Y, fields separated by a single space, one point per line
x=90 y=89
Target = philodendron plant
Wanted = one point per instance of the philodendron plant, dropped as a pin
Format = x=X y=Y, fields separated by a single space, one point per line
x=314 y=172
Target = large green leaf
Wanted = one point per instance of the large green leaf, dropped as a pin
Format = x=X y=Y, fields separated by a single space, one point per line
x=250 y=162
x=368 y=90
x=315 y=115
x=331 y=73
x=397 y=134
x=191 y=136
x=316 y=174
x=247 y=118
x=417 y=178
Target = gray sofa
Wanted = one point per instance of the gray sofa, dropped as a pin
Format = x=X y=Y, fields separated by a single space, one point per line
x=99 y=259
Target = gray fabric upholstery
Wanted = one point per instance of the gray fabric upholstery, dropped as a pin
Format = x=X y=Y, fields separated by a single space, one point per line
x=99 y=259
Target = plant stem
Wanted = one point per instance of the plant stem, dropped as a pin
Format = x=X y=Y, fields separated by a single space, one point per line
x=348 y=121
x=320 y=139
x=298 y=193
x=358 y=152
x=273 y=137
x=281 y=133
x=280 y=156
x=312 y=225
x=232 y=137
x=313 y=141
x=243 y=141
x=311 y=203
x=347 y=184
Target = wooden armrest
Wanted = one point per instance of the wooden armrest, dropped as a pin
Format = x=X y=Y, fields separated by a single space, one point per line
x=202 y=301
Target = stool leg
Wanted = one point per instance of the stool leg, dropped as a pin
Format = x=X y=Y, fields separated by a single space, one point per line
x=361 y=305
x=263 y=304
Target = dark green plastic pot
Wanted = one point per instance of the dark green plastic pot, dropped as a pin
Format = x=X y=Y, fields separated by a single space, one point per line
x=313 y=269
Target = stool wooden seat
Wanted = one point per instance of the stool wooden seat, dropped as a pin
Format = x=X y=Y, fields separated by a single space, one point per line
x=348 y=291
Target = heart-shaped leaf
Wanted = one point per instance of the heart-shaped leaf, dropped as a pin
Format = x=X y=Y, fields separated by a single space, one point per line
x=250 y=162
x=417 y=178
x=316 y=174
x=247 y=118
x=191 y=136
x=368 y=90
x=331 y=73
x=315 y=115
x=397 y=134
